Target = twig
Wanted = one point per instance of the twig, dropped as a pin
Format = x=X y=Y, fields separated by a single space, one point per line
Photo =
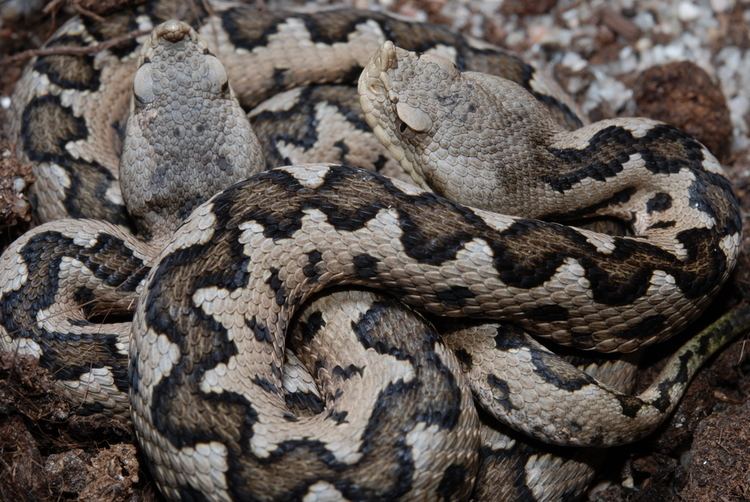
x=70 y=50
x=87 y=13
x=52 y=7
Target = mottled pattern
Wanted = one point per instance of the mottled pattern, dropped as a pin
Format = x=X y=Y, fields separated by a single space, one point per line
x=186 y=136
x=366 y=229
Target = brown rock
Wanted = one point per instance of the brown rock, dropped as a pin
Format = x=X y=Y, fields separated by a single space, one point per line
x=684 y=95
x=19 y=462
x=66 y=471
x=113 y=474
x=527 y=7
x=619 y=24
x=718 y=464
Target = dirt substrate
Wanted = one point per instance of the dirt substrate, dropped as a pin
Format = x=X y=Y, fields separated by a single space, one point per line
x=48 y=452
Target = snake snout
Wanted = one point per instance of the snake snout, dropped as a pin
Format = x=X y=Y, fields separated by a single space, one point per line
x=172 y=31
x=386 y=60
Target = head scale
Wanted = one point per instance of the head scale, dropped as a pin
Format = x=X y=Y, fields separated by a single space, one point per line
x=450 y=130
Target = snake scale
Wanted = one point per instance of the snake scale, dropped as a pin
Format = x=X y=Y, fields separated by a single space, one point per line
x=250 y=378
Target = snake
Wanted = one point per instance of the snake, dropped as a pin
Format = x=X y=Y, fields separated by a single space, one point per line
x=187 y=323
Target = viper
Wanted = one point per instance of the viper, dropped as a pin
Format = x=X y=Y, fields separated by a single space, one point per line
x=373 y=401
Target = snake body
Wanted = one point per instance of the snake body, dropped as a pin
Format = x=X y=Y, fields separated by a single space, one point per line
x=219 y=404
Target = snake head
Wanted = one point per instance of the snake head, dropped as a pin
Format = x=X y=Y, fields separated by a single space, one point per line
x=455 y=132
x=187 y=136
x=394 y=90
x=176 y=63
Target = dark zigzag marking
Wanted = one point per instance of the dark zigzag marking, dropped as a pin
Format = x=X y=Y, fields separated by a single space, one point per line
x=69 y=355
x=123 y=22
x=250 y=28
x=286 y=218
x=509 y=337
x=259 y=330
x=310 y=271
x=276 y=285
x=547 y=313
x=659 y=202
x=304 y=401
x=338 y=416
x=86 y=197
x=365 y=327
x=455 y=296
x=299 y=124
x=620 y=197
x=662 y=224
x=311 y=326
x=522 y=252
x=46 y=147
x=455 y=476
x=257 y=30
x=265 y=384
x=500 y=392
x=365 y=266
x=69 y=71
x=663 y=402
x=713 y=194
x=610 y=148
x=558 y=373
x=614 y=289
x=345 y=373
x=444 y=414
x=165 y=314
x=210 y=347
x=467 y=362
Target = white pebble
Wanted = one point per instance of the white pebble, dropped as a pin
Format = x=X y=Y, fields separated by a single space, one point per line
x=18 y=185
x=722 y=5
x=574 y=61
x=688 y=11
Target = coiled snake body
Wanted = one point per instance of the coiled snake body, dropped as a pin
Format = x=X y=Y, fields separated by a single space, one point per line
x=220 y=406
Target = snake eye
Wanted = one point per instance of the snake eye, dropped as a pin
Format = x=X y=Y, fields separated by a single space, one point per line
x=216 y=75
x=412 y=117
x=143 y=84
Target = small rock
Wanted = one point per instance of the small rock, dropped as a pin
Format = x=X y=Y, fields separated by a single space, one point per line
x=527 y=7
x=621 y=25
x=718 y=465
x=574 y=61
x=721 y=5
x=19 y=460
x=66 y=472
x=684 y=95
x=114 y=473
x=19 y=184
x=687 y=11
